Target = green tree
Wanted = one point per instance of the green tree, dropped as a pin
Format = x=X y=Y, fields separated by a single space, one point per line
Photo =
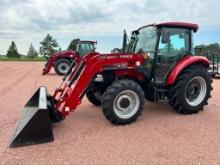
x=32 y=52
x=208 y=50
x=73 y=44
x=12 y=50
x=204 y=49
x=48 y=46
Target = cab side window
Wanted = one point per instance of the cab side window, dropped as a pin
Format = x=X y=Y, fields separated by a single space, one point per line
x=174 y=44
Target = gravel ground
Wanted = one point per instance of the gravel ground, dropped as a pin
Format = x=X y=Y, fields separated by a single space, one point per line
x=158 y=137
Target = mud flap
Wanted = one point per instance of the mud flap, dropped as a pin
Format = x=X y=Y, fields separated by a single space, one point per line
x=34 y=125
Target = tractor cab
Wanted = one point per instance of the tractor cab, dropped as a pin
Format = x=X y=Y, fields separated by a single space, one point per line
x=163 y=45
x=83 y=47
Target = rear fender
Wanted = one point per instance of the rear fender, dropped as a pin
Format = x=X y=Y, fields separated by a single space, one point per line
x=69 y=57
x=63 y=54
x=184 y=63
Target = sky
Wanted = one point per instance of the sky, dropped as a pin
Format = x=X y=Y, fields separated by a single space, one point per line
x=28 y=21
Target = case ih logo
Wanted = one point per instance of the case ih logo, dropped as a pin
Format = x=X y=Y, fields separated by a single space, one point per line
x=120 y=56
x=125 y=56
x=114 y=56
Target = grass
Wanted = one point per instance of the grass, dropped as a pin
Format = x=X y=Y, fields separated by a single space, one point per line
x=38 y=59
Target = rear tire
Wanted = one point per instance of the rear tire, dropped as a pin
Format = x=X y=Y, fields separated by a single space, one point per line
x=61 y=66
x=123 y=102
x=191 y=91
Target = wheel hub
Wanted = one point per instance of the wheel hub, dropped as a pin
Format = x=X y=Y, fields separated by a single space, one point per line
x=126 y=104
x=63 y=67
x=193 y=90
x=196 y=91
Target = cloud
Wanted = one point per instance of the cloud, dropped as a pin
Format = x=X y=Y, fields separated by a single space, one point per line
x=32 y=19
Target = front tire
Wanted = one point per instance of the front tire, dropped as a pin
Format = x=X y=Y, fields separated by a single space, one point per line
x=62 y=66
x=94 y=97
x=123 y=102
x=191 y=91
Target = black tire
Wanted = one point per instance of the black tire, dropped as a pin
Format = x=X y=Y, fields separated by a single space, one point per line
x=92 y=97
x=61 y=66
x=180 y=93
x=112 y=95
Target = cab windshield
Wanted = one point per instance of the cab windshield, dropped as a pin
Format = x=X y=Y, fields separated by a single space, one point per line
x=85 y=48
x=145 y=40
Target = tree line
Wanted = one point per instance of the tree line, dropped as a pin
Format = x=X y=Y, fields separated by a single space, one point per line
x=213 y=48
x=211 y=51
x=48 y=46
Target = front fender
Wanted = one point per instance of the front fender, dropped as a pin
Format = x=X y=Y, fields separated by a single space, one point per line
x=183 y=63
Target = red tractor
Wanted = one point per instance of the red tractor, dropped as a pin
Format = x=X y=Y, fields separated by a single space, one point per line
x=159 y=66
x=62 y=60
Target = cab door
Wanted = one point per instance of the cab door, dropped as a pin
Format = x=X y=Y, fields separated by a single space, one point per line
x=174 y=43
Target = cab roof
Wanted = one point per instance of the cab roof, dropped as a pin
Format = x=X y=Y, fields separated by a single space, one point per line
x=95 y=42
x=190 y=26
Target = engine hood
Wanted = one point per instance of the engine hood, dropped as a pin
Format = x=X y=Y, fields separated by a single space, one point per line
x=63 y=53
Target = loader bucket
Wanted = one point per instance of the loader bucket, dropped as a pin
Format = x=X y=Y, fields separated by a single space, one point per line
x=34 y=125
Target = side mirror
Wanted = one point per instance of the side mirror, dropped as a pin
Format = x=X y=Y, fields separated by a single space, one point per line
x=165 y=37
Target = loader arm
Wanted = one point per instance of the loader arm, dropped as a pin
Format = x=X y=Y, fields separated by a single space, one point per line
x=80 y=79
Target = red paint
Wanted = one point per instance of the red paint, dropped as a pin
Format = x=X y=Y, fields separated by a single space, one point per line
x=186 y=61
x=129 y=73
x=191 y=26
x=68 y=98
x=179 y=24
x=95 y=62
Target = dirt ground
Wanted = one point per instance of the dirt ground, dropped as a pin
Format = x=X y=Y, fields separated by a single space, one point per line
x=159 y=136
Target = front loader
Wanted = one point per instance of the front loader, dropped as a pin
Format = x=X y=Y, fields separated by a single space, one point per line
x=159 y=66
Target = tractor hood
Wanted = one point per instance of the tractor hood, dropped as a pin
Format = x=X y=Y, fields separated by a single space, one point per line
x=63 y=53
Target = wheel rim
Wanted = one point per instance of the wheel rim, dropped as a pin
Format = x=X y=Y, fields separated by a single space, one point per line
x=63 y=67
x=126 y=104
x=196 y=91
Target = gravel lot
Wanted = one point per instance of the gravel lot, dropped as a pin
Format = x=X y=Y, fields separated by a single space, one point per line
x=159 y=136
